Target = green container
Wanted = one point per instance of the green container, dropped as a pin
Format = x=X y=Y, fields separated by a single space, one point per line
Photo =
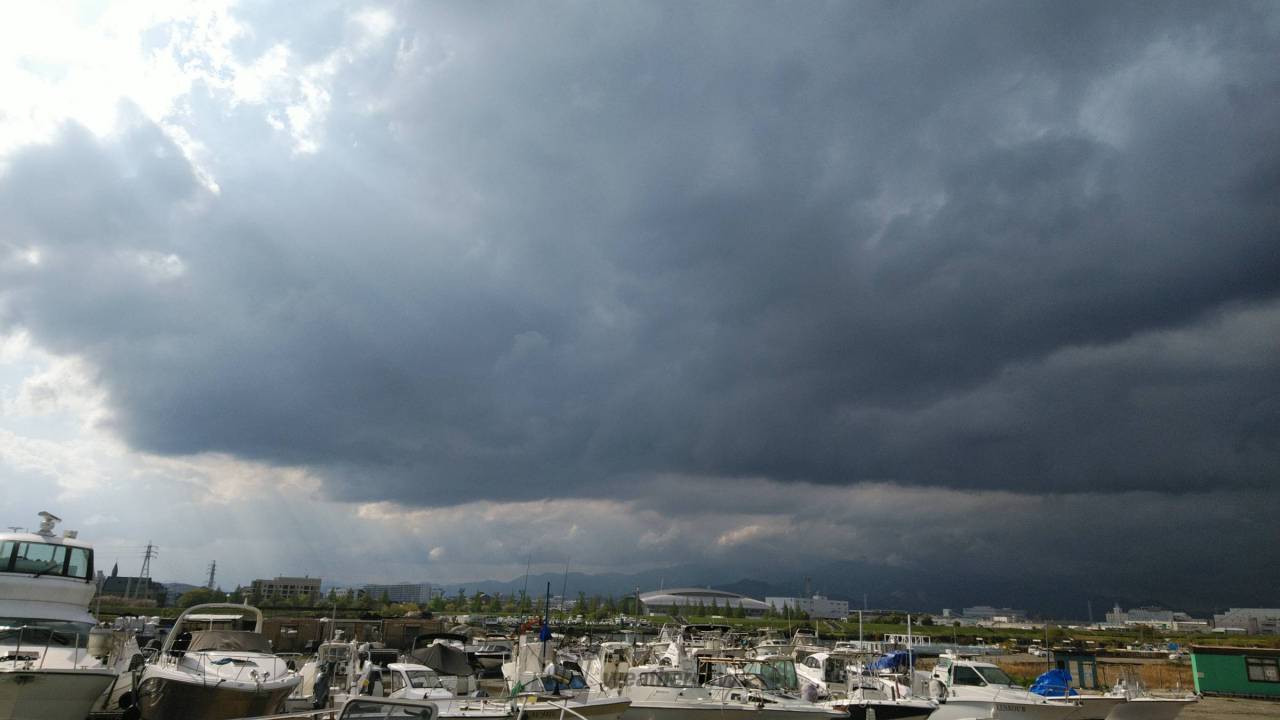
x=1240 y=672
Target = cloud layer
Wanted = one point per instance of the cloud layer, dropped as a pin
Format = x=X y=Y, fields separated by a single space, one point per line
x=447 y=254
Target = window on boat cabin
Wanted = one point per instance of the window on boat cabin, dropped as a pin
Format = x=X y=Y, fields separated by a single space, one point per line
x=39 y=558
x=944 y=663
x=397 y=681
x=1263 y=669
x=965 y=675
x=995 y=676
x=45 y=559
x=812 y=662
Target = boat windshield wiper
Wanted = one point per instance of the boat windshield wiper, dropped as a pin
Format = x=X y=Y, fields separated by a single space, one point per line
x=47 y=570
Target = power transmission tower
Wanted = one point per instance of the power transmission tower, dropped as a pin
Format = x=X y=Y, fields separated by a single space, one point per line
x=213 y=569
x=144 y=576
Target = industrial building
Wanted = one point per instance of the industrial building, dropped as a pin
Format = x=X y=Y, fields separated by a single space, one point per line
x=1252 y=621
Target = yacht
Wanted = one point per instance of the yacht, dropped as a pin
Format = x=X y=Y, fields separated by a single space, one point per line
x=208 y=671
x=53 y=665
x=967 y=688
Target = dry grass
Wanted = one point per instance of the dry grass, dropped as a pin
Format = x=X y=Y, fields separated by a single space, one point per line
x=1155 y=675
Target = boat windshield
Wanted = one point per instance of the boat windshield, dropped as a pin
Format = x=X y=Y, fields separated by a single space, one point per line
x=994 y=675
x=35 y=558
x=23 y=631
x=420 y=679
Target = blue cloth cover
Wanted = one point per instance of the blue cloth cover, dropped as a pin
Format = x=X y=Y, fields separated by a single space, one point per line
x=1055 y=683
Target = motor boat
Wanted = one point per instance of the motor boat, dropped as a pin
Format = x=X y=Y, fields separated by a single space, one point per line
x=770 y=645
x=545 y=688
x=1057 y=684
x=967 y=689
x=805 y=643
x=838 y=681
x=661 y=692
x=54 y=663
x=1140 y=704
x=206 y=670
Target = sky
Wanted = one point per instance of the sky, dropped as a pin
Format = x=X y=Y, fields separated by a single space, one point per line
x=428 y=291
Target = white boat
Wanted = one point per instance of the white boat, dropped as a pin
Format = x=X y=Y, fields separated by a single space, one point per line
x=772 y=646
x=51 y=663
x=207 y=671
x=410 y=681
x=659 y=692
x=1139 y=704
x=837 y=681
x=750 y=689
x=545 y=689
x=968 y=689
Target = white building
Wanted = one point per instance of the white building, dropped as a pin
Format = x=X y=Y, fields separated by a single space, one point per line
x=286 y=588
x=680 y=600
x=817 y=606
x=1254 y=621
x=994 y=614
x=400 y=593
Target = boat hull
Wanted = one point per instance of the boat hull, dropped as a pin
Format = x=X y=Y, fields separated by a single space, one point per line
x=718 y=711
x=888 y=711
x=550 y=708
x=968 y=709
x=51 y=694
x=1094 y=707
x=161 y=698
x=1149 y=709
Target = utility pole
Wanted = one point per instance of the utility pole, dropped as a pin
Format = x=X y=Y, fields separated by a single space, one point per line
x=213 y=569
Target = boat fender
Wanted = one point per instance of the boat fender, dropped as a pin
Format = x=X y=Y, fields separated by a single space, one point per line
x=938 y=691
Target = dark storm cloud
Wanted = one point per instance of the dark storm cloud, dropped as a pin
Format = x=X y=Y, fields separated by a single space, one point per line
x=542 y=248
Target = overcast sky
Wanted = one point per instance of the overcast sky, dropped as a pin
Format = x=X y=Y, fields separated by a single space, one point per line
x=412 y=291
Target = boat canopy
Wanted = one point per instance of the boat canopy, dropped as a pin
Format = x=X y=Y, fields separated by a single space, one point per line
x=228 y=641
x=444 y=659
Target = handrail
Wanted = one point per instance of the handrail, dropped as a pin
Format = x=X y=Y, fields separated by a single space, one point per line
x=563 y=709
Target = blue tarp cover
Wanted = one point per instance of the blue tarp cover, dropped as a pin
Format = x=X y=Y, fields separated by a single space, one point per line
x=896 y=660
x=1054 y=683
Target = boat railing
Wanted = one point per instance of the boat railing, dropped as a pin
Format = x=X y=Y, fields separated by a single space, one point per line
x=564 y=708
x=329 y=714
x=48 y=642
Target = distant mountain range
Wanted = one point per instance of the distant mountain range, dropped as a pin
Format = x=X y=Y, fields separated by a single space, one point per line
x=896 y=588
